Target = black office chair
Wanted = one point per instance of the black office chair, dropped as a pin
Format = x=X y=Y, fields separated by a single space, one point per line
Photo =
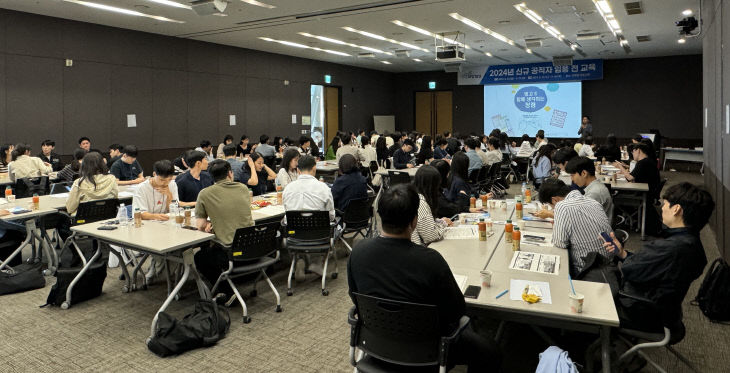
x=254 y=249
x=394 y=336
x=310 y=232
x=62 y=187
x=270 y=161
x=398 y=177
x=28 y=186
x=357 y=218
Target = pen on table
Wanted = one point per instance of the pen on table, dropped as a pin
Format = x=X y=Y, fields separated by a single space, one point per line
x=501 y=294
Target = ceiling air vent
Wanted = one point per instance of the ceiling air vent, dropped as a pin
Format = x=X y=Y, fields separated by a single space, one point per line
x=643 y=38
x=588 y=36
x=633 y=8
x=533 y=43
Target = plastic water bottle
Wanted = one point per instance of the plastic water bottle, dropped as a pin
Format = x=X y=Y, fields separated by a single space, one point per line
x=174 y=206
x=524 y=188
x=122 y=217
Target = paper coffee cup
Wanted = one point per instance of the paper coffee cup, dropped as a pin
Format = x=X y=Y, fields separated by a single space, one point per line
x=486 y=276
x=576 y=302
x=521 y=224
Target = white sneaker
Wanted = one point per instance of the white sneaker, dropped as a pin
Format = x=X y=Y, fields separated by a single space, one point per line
x=299 y=270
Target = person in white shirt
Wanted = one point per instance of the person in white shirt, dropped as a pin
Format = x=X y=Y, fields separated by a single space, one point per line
x=207 y=148
x=226 y=140
x=526 y=148
x=367 y=152
x=23 y=165
x=494 y=155
x=374 y=137
x=540 y=139
x=288 y=171
x=348 y=148
x=308 y=194
x=587 y=149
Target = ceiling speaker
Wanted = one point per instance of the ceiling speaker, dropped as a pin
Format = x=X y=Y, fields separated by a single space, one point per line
x=208 y=7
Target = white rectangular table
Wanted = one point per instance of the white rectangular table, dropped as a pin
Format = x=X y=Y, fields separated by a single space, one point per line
x=683 y=154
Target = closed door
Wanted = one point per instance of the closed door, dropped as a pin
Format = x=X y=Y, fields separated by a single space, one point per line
x=332 y=113
x=433 y=112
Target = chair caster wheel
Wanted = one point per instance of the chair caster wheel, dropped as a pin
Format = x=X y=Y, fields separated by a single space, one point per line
x=246 y=319
x=65 y=305
x=125 y=289
x=289 y=293
x=325 y=293
x=253 y=293
x=334 y=275
x=278 y=308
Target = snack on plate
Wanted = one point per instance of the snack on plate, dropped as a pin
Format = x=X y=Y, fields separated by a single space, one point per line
x=531 y=294
x=260 y=203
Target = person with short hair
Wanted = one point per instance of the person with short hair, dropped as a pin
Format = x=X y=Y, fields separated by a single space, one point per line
x=206 y=147
x=190 y=183
x=85 y=143
x=586 y=128
x=587 y=149
x=228 y=139
x=402 y=157
x=348 y=148
x=392 y=267
x=115 y=153
x=93 y=184
x=350 y=184
x=439 y=150
x=256 y=174
x=610 y=150
x=579 y=221
x=229 y=154
x=583 y=173
x=71 y=171
x=540 y=139
x=305 y=146
x=127 y=169
x=288 y=171
x=48 y=156
x=663 y=270
x=368 y=152
x=153 y=196
x=23 y=165
x=264 y=148
x=475 y=162
x=493 y=154
x=228 y=206
x=243 y=148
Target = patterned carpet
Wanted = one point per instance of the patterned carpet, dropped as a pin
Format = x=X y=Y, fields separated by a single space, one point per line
x=107 y=334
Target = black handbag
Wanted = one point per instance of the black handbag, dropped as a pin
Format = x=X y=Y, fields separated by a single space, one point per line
x=21 y=278
x=206 y=325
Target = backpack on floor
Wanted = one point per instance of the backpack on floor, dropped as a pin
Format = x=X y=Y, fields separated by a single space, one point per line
x=21 y=278
x=713 y=298
x=89 y=285
x=206 y=325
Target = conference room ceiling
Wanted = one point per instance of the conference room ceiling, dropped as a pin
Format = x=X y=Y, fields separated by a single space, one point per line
x=245 y=25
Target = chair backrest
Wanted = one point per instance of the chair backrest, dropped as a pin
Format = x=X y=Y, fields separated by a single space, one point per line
x=373 y=167
x=254 y=242
x=91 y=211
x=270 y=161
x=398 y=177
x=398 y=332
x=483 y=174
x=308 y=225
x=27 y=186
x=493 y=170
x=358 y=213
x=63 y=187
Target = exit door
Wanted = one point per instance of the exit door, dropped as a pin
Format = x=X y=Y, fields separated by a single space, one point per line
x=434 y=113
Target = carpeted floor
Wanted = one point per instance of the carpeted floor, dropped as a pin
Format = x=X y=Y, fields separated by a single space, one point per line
x=310 y=335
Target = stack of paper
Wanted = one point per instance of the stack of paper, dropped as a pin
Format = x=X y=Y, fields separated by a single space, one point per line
x=462 y=232
x=517 y=287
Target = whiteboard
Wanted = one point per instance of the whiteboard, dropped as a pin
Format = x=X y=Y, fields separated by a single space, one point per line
x=384 y=123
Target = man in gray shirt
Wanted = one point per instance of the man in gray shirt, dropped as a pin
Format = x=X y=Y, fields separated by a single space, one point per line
x=229 y=151
x=583 y=173
x=264 y=148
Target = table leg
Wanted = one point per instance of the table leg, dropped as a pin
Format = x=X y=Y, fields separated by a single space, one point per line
x=128 y=282
x=606 y=349
x=136 y=270
x=67 y=303
x=26 y=241
x=643 y=216
x=153 y=327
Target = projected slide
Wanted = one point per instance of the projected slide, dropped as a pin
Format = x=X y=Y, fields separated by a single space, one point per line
x=526 y=108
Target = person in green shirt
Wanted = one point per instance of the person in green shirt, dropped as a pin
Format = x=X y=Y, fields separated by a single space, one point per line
x=332 y=150
x=228 y=205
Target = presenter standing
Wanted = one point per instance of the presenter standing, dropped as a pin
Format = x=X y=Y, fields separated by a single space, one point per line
x=586 y=128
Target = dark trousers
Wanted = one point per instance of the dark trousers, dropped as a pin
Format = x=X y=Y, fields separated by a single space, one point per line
x=211 y=262
x=480 y=354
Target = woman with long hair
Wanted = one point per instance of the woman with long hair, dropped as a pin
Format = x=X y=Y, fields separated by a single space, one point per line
x=332 y=150
x=226 y=140
x=6 y=156
x=256 y=173
x=428 y=229
x=381 y=148
x=243 y=147
x=71 y=171
x=94 y=183
x=426 y=152
x=288 y=171
x=543 y=163
x=459 y=191
x=350 y=184
x=609 y=149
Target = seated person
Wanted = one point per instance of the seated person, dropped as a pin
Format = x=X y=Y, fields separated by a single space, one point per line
x=288 y=171
x=494 y=155
x=444 y=207
x=459 y=192
x=48 y=156
x=243 y=148
x=583 y=173
x=525 y=150
x=439 y=151
x=348 y=148
x=127 y=170
x=85 y=143
x=71 y=171
x=305 y=146
x=402 y=156
x=229 y=154
x=609 y=150
x=207 y=148
x=228 y=139
x=93 y=184
x=350 y=184
x=228 y=206
x=428 y=229
x=475 y=163
x=23 y=165
x=542 y=164
x=264 y=148
x=190 y=183
x=393 y=267
x=560 y=159
x=578 y=224
x=645 y=171
x=367 y=152
x=256 y=173
x=587 y=149
x=115 y=153
x=663 y=269
x=425 y=154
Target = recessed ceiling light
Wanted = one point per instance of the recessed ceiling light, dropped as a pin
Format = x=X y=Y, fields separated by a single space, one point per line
x=604 y=8
x=121 y=10
x=171 y=3
x=417 y=60
x=379 y=37
x=258 y=3
x=298 y=45
x=386 y=62
x=681 y=41
x=340 y=42
x=687 y=12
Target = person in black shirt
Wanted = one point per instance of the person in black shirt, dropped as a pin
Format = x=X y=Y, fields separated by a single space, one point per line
x=453 y=144
x=115 y=153
x=127 y=170
x=426 y=152
x=350 y=184
x=392 y=267
x=48 y=156
x=190 y=183
x=402 y=156
x=445 y=207
x=645 y=171
x=664 y=269
x=458 y=191
x=381 y=149
x=609 y=150
x=257 y=180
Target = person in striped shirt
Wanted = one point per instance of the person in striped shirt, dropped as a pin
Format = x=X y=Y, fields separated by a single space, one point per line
x=579 y=221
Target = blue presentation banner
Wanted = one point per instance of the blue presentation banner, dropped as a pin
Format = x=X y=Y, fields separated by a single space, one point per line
x=542 y=72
